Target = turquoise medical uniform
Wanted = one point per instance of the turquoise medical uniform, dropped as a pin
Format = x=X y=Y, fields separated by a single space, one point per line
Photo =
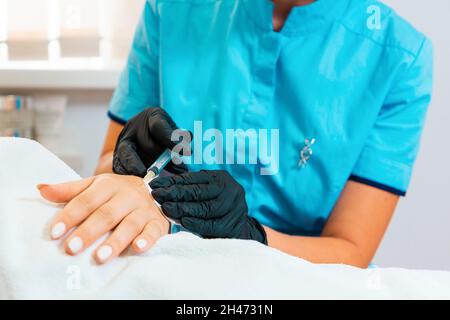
x=350 y=74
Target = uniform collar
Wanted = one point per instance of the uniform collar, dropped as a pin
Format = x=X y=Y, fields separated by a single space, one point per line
x=301 y=20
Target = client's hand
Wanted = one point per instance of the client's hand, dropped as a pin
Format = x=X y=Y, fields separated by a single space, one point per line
x=103 y=203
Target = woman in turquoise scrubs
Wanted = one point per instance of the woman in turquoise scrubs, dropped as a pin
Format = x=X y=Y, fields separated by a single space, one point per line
x=346 y=84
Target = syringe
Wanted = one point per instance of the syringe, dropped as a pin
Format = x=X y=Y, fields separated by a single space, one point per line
x=155 y=169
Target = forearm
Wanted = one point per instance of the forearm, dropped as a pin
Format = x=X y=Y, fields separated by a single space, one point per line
x=106 y=157
x=353 y=230
x=325 y=250
x=105 y=163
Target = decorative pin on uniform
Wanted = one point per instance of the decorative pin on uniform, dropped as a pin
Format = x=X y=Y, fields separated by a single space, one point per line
x=306 y=152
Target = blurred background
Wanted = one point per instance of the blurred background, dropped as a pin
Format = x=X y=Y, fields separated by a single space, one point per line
x=60 y=61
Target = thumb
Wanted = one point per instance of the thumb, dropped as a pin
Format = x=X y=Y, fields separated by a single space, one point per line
x=165 y=131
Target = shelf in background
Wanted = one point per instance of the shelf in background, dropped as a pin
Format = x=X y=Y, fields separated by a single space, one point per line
x=76 y=74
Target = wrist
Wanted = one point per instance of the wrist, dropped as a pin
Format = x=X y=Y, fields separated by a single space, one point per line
x=167 y=226
x=105 y=164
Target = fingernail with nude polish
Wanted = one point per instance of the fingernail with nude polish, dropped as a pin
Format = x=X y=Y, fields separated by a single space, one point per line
x=141 y=243
x=104 y=253
x=58 y=230
x=41 y=185
x=75 y=244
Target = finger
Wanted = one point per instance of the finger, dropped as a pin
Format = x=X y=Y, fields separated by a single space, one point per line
x=102 y=220
x=129 y=160
x=183 y=193
x=203 y=227
x=64 y=192
x=176 y=168
x=205 y=209
x=77 y=210
x=200 y=177
x=123 y=236
x=149 y=236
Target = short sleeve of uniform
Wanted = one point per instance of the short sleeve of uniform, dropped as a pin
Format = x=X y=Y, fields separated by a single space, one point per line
x=139 y=82
x=388 y=156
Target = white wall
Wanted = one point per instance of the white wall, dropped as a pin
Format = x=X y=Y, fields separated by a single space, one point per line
x=85 y=126
x=419 y=235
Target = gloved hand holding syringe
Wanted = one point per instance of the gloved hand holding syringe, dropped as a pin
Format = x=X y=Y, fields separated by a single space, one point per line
x=145 y=147
x=210 y=203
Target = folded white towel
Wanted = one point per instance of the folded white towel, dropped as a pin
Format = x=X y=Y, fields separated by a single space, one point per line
x=180 y=266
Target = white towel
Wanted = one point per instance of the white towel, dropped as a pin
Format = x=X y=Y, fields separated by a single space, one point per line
x=180 y=266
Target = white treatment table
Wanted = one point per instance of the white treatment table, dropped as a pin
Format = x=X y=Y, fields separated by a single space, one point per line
x=180 y=266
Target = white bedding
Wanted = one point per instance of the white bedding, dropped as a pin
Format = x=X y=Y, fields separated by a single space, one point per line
x=180 y=266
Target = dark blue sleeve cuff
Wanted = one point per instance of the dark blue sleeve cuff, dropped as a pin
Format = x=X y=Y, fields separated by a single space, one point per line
x=116 y=118
x=378 y=185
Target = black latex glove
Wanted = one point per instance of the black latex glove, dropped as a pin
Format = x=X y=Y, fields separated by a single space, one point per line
x=143 y=139
x=209 y=203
